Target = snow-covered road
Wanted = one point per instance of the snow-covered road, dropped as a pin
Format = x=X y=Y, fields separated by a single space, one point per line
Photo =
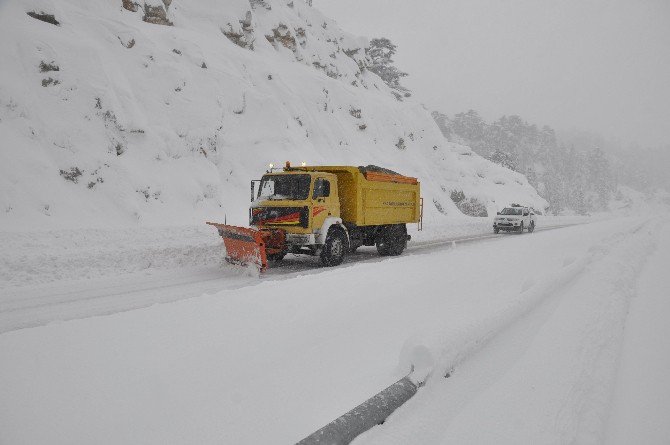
x=550 y=376
x=65 y=275
x=532 y=327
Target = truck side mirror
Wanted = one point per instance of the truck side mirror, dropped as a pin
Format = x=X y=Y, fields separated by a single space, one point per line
x=497 y=213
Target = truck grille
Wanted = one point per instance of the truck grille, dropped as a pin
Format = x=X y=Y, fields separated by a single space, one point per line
x=280 y=216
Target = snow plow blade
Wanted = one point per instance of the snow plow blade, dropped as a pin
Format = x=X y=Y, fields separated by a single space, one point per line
x=244 y=246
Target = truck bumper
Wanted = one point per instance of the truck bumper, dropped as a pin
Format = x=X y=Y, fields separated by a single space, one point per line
x=300 y=239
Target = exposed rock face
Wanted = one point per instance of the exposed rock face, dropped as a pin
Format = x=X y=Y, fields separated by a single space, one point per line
x=130 y=5
x=43 y=16
x=156 y=14
x=244 y=38
x=282 y=35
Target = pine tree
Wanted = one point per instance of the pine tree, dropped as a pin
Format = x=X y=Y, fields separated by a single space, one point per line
x=600 y=177
x=381 y=53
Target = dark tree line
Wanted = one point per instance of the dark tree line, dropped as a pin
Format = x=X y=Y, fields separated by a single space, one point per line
x=577 y=178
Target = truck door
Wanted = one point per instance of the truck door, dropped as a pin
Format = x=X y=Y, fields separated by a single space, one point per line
x=325 y=202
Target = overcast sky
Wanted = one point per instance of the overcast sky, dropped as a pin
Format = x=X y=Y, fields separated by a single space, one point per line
x=595 y=65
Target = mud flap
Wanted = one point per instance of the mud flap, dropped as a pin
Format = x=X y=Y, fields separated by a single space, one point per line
x=244 y=246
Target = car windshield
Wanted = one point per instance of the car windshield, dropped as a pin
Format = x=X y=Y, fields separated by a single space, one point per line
x=511 y=211
x=280 y=187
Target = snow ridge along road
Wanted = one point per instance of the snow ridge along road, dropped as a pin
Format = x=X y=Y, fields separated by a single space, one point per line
x=470 y=341
x=67 y=275
x=543 y=373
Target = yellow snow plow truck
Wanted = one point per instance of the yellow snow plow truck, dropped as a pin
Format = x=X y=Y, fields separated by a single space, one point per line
x=326 y=211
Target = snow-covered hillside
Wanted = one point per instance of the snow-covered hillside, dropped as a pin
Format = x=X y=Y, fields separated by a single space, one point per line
x=106 y=119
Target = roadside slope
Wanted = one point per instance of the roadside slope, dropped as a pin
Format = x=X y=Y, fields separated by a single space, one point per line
x=107 y=120
x=641 y=400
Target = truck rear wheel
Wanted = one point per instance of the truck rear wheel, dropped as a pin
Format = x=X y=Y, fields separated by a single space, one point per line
x=334 y=249
x=392 y=240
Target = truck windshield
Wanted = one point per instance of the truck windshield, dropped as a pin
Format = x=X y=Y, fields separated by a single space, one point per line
x=511 y=211
x=284 y=187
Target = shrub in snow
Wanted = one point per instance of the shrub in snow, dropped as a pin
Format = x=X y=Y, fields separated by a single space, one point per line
x=146 y=192
x=470 y=207
x=157 y=13
x=330 y=70
x=401 y=144
x=50 y=81
x=130 y=5
x=243 y=37
x=128 y=45
x=282 y=35
x=260 y=3
x=457 y=196
x=439 y=207
x=504 y=159
x=300 y=32
x=72 y=174
x=46 y=67
x=97 y=181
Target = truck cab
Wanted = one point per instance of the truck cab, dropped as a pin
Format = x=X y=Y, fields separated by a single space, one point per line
x=303 y=204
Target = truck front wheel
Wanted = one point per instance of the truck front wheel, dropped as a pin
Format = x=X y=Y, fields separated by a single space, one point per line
x=276 y=256
x=333 y=250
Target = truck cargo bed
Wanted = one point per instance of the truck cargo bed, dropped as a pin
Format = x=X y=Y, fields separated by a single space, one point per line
x=371 y=196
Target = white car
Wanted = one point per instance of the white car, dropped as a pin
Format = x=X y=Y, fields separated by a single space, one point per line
x=514 y=219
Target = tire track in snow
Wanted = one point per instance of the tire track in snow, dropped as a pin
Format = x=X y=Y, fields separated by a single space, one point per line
x=471 y=340
x=298 y=265
x=60 y=300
